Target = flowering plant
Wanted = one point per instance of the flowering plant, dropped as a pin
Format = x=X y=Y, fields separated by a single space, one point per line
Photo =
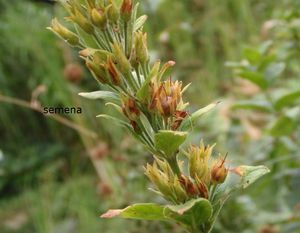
x=114 y=47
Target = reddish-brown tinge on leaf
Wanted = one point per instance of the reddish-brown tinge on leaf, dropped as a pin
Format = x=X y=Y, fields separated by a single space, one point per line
x=237 y=171
x=111 y=213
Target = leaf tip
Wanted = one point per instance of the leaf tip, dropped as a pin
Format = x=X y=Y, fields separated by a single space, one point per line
x=111 y=213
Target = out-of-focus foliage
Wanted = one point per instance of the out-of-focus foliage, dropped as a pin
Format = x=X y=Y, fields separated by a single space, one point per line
x=47 y=162
x=201 y=35
x=266 y=105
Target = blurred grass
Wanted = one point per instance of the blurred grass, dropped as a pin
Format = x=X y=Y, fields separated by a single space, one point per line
x=51 y=184
x=202 y=35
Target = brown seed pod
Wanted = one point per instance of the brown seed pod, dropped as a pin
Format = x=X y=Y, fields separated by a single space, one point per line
x=73 y=72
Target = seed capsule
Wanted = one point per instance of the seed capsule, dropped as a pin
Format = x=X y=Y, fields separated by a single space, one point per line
x=98 y=71
x=140 y=46
x=113 y=72
x=123 y=63
x=113 y=13
x=219 y=172
x=126 y=10
x=130 y=108
x=82 y=21
x=165 y=97
x=99 y=18
x=63 y=32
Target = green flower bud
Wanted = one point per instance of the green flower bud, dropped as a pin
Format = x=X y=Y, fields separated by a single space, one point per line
x=63 y=32
x=99 y=18
x=159 y=179
x=180 y=193
x=82 y=21
x=98 y=71
x=123 y=63
x=141 y=49
x=91 y=3
x=113 y=12
x=198 y=162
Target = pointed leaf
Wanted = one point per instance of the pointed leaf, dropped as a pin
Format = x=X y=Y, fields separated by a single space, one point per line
x=169 y=141
x=194 y=211
x=250 y=174
x=254 y=77
x=282 y=126
x=252 y=55
x=262 y=106
x=143 y=211
x=190 y=121
x=142 y=94
x=104 y=95
x=140 y=22
x=287 y=100
x=115 y=120
x=274 y=70
x=115 y=106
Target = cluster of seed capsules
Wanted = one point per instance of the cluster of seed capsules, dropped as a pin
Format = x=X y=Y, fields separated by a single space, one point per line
x=114 y=47
x=204 y=173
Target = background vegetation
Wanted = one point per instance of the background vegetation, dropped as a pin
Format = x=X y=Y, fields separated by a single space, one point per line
x=57 y=174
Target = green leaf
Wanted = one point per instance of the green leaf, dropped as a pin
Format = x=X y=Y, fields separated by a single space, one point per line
x=287 y=100
x=265 y=46
x=254 y=77
x=252 y=55
x=282 y=126
x=142 y=94
x=143 y=211
x=86 y=38
x=274 y=70
x=194 y=211
x=250 y=174
x=140 y=22
x=262 y=106
x=169 y=141
x=104 y=95
x=190 y=121
x=232 y=64
x=115 y=120
x=115 y=106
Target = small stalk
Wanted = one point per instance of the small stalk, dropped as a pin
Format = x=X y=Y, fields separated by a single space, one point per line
x=110 y=36
x=174 y=164
x=107 y=41
x=138 y=76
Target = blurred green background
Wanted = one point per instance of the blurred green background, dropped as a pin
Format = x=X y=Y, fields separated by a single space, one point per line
x=59 y=173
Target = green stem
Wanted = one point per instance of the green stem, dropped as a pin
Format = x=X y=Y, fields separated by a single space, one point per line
x=110 y=36
x=107 y=41
x=99 y=42
x=126 y=37
x=138 y=76
x=174 y=164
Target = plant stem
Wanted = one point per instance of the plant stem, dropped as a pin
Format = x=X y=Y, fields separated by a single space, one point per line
x=126 y=37
x=174 y=164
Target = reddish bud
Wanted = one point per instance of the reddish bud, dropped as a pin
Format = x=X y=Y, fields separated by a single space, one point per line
x=179 y=117
x=113 y=72
x=130 y=108
x=126 y=10
x=202 y=189
x=219 y=172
